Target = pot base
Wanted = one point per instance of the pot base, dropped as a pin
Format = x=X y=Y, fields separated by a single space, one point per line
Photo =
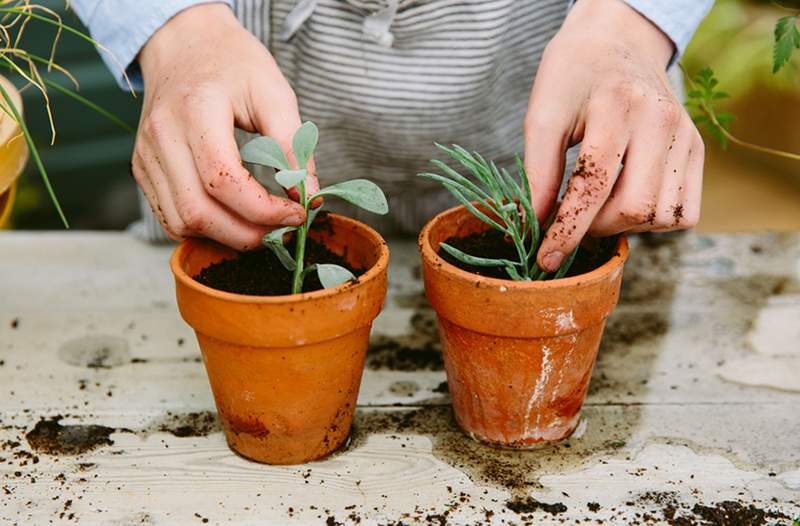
x=526 y=446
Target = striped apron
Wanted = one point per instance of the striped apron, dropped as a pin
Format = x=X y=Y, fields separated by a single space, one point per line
x=384 y=79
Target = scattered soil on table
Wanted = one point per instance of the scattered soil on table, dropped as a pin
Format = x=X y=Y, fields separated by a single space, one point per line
x=95 y=351
x=52 y=438
x=261 y=273
x=417 y=350
x=724 y=513
x=197 y=424
x=514 y=470
x=493 y=244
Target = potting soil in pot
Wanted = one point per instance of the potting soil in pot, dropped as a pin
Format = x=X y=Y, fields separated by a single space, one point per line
x=260 y=273
x=493 y=244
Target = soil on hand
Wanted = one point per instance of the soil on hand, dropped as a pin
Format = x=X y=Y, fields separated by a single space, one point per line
x=494 y=244
x=260 y=273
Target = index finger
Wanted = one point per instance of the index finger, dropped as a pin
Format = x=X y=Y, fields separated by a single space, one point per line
x=589 y=187
x=219 y=166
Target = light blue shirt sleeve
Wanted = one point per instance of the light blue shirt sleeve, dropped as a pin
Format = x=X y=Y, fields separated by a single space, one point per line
x=123 y=27
x=678 y=19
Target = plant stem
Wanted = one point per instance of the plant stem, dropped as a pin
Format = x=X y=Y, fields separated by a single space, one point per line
x=749 y=145
x=300 y=244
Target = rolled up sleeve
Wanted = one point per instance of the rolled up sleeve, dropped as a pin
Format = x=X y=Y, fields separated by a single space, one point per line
x=123 y=27
x=678 y=19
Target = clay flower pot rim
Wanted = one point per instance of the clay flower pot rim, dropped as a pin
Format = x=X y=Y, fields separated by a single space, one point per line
x=369 y=275
x=613 y=262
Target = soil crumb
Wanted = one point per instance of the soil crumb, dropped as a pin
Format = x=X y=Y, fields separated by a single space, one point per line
x=530 y=505
x=50 y=437
x=493 y=244
x=260 y=273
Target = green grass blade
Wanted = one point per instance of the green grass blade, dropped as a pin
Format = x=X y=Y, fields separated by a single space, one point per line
x=453 y=174
x=465 y=190
x=473 y=210
x=475 y=260
x=35 y=154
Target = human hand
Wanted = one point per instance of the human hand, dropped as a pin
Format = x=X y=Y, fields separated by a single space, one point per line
x=203 y=74
x=602 y=82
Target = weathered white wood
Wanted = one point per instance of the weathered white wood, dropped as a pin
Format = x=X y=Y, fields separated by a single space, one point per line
x=669 y=410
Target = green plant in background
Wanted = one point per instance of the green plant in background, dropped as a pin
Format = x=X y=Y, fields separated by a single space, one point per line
x=365 y=194
x=501 y=201
x=15 y=15
x=703 y=94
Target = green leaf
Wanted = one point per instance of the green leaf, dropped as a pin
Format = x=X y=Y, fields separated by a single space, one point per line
x=291 y=178
x=304 y=142
x=34 y=153
x=274 y=241
x=265 y=151
x=787 y=39
x=475 y=260
x=360 y=192
x=331 y=275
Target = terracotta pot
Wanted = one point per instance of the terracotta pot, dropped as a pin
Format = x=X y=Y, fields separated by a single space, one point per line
x=518 y=355
x=13 y=152
x=285 y=370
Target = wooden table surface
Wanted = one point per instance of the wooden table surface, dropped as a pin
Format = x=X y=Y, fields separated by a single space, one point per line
x=106 y=416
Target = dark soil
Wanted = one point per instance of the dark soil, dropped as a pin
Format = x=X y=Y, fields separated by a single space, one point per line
x=529 y=505
x=493 y=244
x=52 y=438
x=260 y=273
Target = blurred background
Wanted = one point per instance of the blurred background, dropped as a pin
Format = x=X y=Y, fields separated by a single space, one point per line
x=743 y=191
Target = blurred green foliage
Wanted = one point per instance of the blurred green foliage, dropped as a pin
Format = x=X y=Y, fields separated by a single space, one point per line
x=736 y=41
x=89 y=165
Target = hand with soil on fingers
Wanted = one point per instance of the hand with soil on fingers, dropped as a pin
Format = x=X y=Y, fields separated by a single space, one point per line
x=602 y=83
x=203 y=75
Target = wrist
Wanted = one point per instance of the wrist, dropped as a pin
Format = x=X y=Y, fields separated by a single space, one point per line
x=623 y=24
x=192 y=25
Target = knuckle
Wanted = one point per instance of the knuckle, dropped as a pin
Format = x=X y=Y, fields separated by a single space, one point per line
x=670 y=113
x=628 y=92
x=638 y=213
x=154 y=125
x=193 y=217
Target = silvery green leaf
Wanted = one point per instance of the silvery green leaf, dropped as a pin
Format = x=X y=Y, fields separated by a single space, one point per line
x=266 y=152
x=274 y=241
x=290 y=178
x=475 y=260
x=304 y=143
x=312 y=214
x=361 y=192
x=331 y=275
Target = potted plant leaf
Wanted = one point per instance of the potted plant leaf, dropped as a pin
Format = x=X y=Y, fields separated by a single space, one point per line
x=519 y=344
x=284 y=330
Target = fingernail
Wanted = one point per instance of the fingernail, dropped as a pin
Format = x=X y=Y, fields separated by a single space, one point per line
x=552 y=260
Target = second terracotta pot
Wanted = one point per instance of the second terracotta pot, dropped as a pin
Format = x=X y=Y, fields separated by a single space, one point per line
x=518 y=355
x=285 y=370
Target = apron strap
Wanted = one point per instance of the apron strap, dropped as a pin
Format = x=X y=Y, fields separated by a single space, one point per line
x=376 y=26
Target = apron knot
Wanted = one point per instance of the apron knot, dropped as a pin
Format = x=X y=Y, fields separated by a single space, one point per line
x=376 y=27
